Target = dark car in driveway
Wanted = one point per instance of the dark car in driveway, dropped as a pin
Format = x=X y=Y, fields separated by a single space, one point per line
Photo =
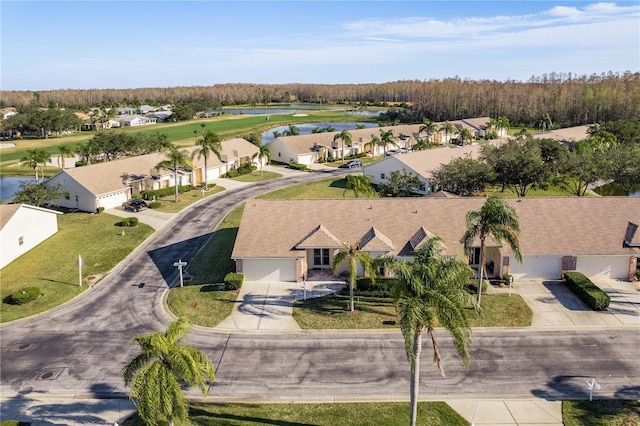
x=135 y=205
x=351 y=164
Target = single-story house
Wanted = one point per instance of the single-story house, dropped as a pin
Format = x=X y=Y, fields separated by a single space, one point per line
x=22 y=227
x=567 y=136
x=134 y=120
x=282 y=240
x=109 y=184
x=422 y=163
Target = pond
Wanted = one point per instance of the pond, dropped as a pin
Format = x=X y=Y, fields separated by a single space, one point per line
x=306 y=129
x=615 y=189
x=9 y=185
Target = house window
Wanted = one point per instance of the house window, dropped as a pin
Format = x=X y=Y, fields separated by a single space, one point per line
x=475 y=256
x=66 y=196
x=383 y=176
x=321 y=257
x=279 y=155
x=20 y=240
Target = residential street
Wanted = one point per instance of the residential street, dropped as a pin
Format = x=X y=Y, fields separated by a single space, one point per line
x=79 y=348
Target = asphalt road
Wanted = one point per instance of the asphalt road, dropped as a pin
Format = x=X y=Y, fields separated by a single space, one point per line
x=80 y=347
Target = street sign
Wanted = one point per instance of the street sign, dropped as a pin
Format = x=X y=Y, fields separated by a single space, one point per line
x=591 y=385
x=180 y=264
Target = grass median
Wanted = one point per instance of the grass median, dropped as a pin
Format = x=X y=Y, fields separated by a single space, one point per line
x=347 y=414
x=52 y=266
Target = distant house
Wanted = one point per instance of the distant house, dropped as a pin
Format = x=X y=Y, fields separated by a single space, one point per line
x=112 y=183
x=134 y=120
x=125 y=111
x=8 y=112
x=145 y=109
x=598 y=236
x=567 y=136
x=22 y=227
x=160 y=116
x=421 y=163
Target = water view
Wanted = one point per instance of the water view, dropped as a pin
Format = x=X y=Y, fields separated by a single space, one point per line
x=9 y=185
x=306 y=129
x=614 y=189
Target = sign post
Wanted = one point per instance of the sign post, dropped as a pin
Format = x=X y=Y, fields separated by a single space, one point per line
x=591 y=385
x=80 y=263
x=510 y=283
x=180 y=264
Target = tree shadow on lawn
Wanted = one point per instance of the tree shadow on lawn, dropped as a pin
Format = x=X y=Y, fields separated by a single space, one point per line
x=202 y=416
x=165 y=257
x=59 y=282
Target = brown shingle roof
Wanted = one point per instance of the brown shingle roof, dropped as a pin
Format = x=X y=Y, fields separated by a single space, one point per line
x=6 y=213
x=549 y=225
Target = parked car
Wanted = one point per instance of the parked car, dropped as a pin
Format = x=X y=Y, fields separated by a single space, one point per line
x=135 y=205
x=351 y=164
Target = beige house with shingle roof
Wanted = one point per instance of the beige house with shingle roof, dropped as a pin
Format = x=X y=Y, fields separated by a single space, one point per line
x=22 y=227
x=112 y=183
x=281 y=240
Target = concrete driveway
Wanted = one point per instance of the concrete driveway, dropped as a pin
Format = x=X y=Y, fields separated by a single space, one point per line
x=151 y=217
x=554 y=305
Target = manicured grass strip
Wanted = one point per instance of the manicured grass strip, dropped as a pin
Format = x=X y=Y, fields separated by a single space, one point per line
x=214 y=260
x=52 y=267
x=611 y=412
x=330 y=312
x=502 y=310
x=202 y=304
x=345 y=414
x=328 y=188
x=551 y=191
x=256 y=177
x=168 y=205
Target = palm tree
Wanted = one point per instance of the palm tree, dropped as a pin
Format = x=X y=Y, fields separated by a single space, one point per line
x=430 y=292
x=208 y=144
x=428 y=127
x=466 y=136
x=292 y=131
x=277 y=134
x=447 y=128
x=386 y=138
x=354 y=255
x=359 y=184
x=375 y=143
x=345 y=136
x=65 y=152
x=157 y=373
x=175 y=158
x=503 y=123
x=422 y=144
x=545 y=122
x=34 y=158
x=264 y=154
x=495 y=219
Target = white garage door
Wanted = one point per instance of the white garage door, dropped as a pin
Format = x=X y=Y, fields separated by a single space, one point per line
x=112 y=200
x=604 y=266
x=547 y=267
x=269 y=270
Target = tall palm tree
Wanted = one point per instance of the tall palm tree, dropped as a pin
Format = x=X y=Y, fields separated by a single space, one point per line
x=33 y=160
x=208 y=144
x=375 y=143
x=495 y=219
x=545 y=122
x=175 y=159
x=345 y=136
x=503 y=123
x=355 y=256
x=466 y=136
x=359 y=184
x=277 y=134
x=65 y=152
x=430 y=292
x=428 y=127
x=387 y=138
x=156 y=374
x=447 y=128
x=263 y=155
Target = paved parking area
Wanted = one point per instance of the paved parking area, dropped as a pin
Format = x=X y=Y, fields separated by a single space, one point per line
x=554 y=305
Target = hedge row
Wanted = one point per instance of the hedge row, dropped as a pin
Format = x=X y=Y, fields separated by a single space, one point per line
x=245 y=169
x=233 y=281
x=128 y=221
x=148 y=194
x=381 y=287
x=297 y=166
x=586 y=290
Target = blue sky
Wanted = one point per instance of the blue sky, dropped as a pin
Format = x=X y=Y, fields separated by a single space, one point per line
x=109 y=44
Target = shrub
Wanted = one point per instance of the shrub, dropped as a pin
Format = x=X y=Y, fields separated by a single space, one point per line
x=506 y=278
x=148 y=194
x=128 y=221
x=472 y=287
x=231 y=174
x=297 y=166
x=154 y=205
x=99 y=209
x=638 y=274
x=381 y=287
x=233 y=281
x=26 y=295
x=587 y=291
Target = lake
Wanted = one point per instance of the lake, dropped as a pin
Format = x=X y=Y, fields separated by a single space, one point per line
x=614 y=189
x=306 y=129
x=9 y=185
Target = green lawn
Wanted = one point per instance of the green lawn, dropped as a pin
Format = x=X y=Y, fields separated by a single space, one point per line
x=330 y=312
x=345 y=414
x=257 y=176
x=168 y=204
x=202 y=304
x=329 y=188
x=601 y=413
x=52 y=267
x=551 y=191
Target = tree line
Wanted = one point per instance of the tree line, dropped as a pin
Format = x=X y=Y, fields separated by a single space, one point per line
x=570 y=100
